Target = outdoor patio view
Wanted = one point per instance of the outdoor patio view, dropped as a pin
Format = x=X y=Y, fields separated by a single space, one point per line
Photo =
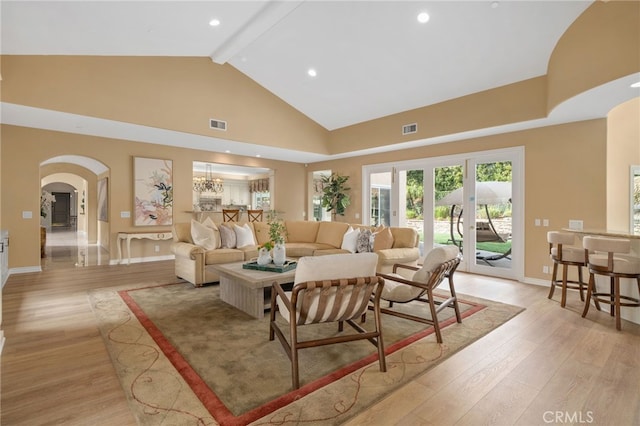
x=492 y=226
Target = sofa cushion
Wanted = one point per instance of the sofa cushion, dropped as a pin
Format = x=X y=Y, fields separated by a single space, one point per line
x=301 y=231
x=350 y=240
x=244 y=236
x=205 y=235
x=223 y=255
x=382 y=239
x=182 y=232
x=404 y=237
x=227 y=236
x=331 y=233
x=324 y=252
x=303 y=249
x=262 y=232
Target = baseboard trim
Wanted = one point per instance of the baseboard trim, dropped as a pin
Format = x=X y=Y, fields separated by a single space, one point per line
x=25 y=270
x=142 y=259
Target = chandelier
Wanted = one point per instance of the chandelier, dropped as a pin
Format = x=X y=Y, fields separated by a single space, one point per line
x=207 y=183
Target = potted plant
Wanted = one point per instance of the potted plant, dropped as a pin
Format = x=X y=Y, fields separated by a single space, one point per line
x=335 y=198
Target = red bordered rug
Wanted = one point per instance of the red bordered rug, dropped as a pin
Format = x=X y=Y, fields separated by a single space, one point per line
x=185 y=357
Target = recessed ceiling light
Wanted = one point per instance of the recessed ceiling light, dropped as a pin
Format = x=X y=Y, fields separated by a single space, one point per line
x=312 y=72
x=258 y=155
x=214 y=22
x=494 y=4
x=636 y=85
x=423 y=17
x=227 y=151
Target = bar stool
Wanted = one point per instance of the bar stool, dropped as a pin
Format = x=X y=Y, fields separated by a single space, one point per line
x=607 y=260
x=254 y=215
x=230 y=215
x=566 y=256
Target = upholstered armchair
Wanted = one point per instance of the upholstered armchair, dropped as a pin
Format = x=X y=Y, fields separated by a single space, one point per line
x=418 y=284
x=333 y=288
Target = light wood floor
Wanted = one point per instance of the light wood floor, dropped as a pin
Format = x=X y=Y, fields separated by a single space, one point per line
x=546 y=366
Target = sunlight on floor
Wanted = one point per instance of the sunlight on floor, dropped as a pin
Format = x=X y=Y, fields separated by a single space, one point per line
x=68 y=249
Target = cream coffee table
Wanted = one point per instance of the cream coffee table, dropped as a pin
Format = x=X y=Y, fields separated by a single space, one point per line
x=245 y=288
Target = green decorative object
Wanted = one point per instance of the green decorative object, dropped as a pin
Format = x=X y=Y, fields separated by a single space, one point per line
x=287 y=266
x=335 y=198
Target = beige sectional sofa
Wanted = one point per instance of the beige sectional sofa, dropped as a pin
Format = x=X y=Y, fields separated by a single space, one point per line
x=303 y=238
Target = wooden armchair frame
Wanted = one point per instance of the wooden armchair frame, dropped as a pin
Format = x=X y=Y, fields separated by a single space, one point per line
x=330 y=296
x=444 y=270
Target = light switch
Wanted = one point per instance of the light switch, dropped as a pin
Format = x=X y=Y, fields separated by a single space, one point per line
x=575 y=224
x=537 y=222
x=125 y=215
x=545 y=222
x=27 y=214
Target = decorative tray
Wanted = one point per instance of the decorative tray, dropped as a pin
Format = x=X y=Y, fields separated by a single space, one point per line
x=253 y=264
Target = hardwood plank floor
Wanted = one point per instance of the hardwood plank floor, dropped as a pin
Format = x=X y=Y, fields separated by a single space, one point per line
x=546 y=366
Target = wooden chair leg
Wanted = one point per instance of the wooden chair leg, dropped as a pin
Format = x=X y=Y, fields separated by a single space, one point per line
x=434 y=316
x=554 y=274
x=563 y=301
x=590 y=288
x=581 y=283
x=617 y=302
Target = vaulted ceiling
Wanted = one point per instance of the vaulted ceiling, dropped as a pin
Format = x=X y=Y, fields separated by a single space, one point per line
x=371 y=58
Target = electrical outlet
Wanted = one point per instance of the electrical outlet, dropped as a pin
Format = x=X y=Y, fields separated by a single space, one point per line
x=156 y=248
x=545 y=269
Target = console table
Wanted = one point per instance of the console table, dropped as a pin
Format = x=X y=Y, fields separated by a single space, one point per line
x=128 y=236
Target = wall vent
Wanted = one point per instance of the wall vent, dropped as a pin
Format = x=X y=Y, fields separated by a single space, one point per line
x=407 y=129
x=217 y=124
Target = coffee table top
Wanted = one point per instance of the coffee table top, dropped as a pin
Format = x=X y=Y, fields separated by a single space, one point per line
x=253 y=277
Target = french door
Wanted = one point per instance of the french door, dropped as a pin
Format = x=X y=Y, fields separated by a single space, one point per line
x=473 y=201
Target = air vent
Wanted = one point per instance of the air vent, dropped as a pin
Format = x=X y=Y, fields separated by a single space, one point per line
x=217 y=124
x=407 y=129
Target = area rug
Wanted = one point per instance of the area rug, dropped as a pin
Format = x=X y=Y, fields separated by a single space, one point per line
x=185 y=357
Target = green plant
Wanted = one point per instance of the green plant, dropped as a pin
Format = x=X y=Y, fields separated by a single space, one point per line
x=277 y=230
x=334 y=193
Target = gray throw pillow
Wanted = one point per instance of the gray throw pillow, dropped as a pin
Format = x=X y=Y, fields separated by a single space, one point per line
x=364 y=241
x=228 y=237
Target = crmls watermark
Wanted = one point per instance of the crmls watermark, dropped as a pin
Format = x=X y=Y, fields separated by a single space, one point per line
x=568 y=417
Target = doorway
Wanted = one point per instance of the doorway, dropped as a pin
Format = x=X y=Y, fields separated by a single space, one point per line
x=446 y=200
x=61 y=210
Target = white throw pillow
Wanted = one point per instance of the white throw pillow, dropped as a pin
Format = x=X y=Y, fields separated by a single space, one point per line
x=244 y=236
x=350 y=239
x=216 y=232
x=202 y=235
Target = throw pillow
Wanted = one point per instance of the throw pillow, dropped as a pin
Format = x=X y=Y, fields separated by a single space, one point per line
x=216 y=232
x=228 y=237
x=350 y=239
x=202 y=235
x=382 y=239
x=244 y=236
x=364 y=241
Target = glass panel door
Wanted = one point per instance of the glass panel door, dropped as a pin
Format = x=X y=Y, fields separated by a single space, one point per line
x=380 y=198
x=492 y=214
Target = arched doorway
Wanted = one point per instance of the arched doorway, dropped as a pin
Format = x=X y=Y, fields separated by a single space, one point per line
x=74 y=235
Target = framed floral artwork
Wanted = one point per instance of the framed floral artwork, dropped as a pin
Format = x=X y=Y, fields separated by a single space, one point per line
x=153 y=191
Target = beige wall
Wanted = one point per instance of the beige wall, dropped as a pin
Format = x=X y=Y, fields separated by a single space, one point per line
x=565 y=178
x=24 y=149
x=602 y=45
x=177 y=93
x=623 y=151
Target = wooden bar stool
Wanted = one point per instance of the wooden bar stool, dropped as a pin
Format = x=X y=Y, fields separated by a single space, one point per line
x=230 y=215
x=254 y=215
x=562 y=254
x=608 y=259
